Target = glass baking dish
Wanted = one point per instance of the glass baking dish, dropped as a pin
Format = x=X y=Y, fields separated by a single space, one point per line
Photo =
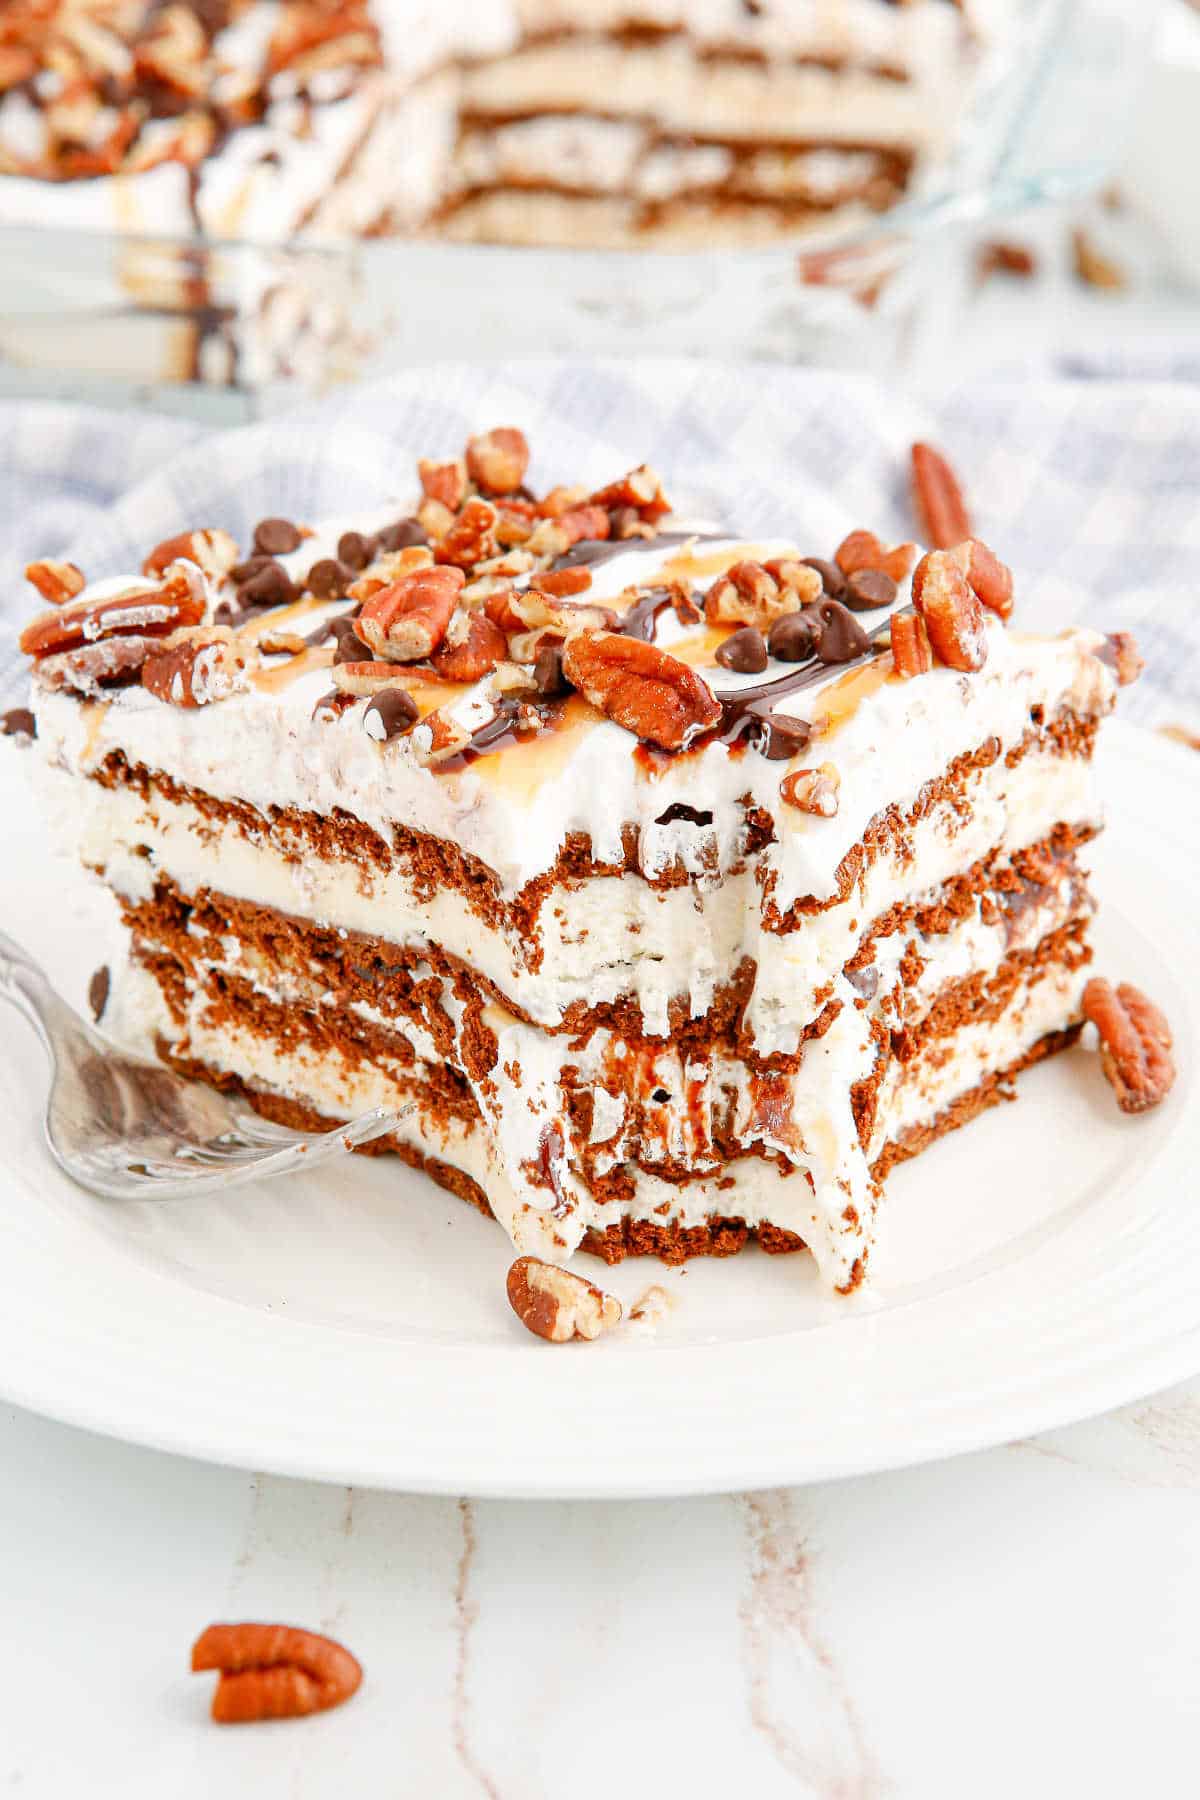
x=229 y=329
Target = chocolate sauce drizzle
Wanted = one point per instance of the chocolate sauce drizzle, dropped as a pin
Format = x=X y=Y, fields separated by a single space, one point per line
x=593 y=552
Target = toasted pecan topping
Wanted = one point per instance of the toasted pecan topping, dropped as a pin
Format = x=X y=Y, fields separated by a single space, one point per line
x=863 y=550
x=497 y=460
x=911 y=652
x=146 y=611
x=409 y=619
x=194 y=667
x=952 y=613
x=640 y=687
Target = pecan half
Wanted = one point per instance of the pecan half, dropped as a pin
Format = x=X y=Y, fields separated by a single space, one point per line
x=145 y=611
x=1135 y=1043
x=56 y=582
x=445 y=482
x=863 y=550
x=937 y=499
x=497 y=460
x=273 y=1672
x=92 y=668
x=213 y=551
x=812 y=790
x=556 y=1305
x=641 y=688
x=911 y=654
x=953 y=615
x=563 y=583
x=195 y=667
x=409 y=619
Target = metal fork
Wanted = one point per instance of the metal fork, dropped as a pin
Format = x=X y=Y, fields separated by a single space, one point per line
x=130 y=1129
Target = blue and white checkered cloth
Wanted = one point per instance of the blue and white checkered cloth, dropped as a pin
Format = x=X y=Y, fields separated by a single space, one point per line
x=1089 y=489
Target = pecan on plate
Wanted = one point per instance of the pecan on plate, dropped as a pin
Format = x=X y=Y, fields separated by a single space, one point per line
x=56 y=582
x=409 y=619
x=937 y=499
x=1135 y=1043
x=273 y=1672
x=640 y=687
x=951 y=610
x=556 y=1305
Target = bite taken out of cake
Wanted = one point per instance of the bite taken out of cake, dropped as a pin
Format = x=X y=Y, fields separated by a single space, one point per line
x=684 y=884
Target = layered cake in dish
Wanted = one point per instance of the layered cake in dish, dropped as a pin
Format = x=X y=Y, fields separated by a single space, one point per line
x=684 y=884
x=665 y=122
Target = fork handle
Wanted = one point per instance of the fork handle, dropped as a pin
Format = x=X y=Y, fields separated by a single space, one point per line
x=25 y=986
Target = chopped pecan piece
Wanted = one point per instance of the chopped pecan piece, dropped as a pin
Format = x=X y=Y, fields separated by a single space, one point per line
x=471 y=538
x=641 y=489
x=563 y=583
x=953 y=615
x=445 y=482
x=812 y=790
x=497 y=460
x=213 y=551
x=863 y=550
x=938 y=502
x=557 y=1305
x=476 y=654
x=194 y=667
x=751 y=594
x=911 y=654
x=90 y=669
x=409 y=619
x=56 y=582
x=640 y=687
x=1135 y=1043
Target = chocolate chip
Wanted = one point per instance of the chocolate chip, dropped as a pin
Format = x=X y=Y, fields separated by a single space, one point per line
x=19 y=722
x=98 y=988
x=270 y=587
x=351 y=648
x=794 y=637
x=832 y=579
x=842 y=637
x=254 y=565
x=329 y=578
x=548 y=673
x=869 y=588
x=783 y=737
x=355 y=550
x=390 y=714
x=402 y=535
x=276 y=537
x=745 y=652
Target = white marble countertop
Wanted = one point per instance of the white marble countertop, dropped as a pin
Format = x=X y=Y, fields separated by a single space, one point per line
x=1018 y=1622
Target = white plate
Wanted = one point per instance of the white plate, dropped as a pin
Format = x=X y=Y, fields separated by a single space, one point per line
x=1039 y=1266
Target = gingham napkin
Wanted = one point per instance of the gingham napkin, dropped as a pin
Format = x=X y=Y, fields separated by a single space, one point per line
x=1088 y=488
